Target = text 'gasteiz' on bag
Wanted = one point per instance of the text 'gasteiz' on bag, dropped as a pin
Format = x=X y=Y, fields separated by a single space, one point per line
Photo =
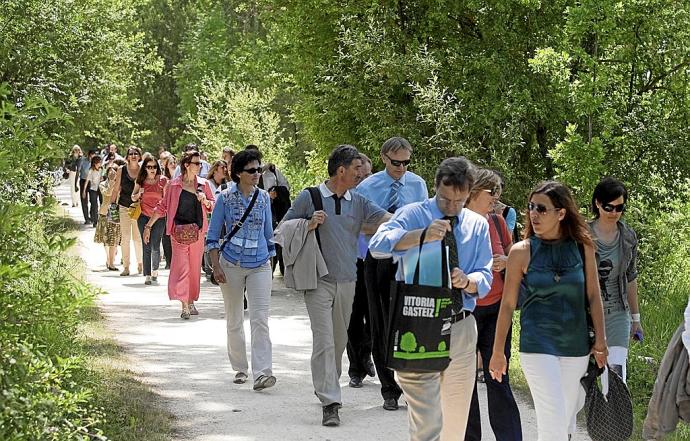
x=419 y=332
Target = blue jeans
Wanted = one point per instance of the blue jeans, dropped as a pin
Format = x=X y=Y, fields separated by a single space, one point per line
x=504 y=415
x=152 y=250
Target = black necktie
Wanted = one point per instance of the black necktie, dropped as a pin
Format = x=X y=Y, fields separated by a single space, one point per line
x=453 y=261
x=337 y=203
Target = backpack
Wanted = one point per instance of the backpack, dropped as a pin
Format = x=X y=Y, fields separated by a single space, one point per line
x=315 y=194
x=516 y=233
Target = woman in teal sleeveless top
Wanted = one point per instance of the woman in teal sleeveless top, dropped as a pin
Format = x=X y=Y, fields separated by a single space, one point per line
x=553 y=271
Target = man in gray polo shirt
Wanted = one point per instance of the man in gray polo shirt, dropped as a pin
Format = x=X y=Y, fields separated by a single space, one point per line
x=344 y=215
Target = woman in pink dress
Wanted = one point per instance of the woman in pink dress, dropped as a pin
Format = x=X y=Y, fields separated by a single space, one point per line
x=186 y=204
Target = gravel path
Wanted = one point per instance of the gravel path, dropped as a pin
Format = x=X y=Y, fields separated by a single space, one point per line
x=186 y=363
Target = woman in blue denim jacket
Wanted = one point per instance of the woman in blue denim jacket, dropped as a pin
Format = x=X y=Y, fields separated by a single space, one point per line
x=245 y=264
x=616 y=255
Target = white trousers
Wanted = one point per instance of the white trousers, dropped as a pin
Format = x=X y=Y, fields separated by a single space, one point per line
x=76 y=198
x=130 y=231
x=257 y=282
x=554 y=383
x=617 y=359
x=438 y=403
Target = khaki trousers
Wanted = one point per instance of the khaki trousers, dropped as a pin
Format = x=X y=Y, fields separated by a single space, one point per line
x=130 y=231
x=439 y=402
x=329 y=307
x=257 y=282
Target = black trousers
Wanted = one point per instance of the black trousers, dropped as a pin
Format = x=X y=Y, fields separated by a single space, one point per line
x=504 y=415
x=359 y=330
x=84 y=201
x=167 y=250
x=93 y=209
x=278 y=259
x=378 y=274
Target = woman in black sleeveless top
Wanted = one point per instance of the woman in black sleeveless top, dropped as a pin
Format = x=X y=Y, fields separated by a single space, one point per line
x=124 y=185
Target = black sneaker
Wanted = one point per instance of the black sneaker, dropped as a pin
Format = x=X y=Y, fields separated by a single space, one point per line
x=390 y=404
x=330 y=415
x=355 y=382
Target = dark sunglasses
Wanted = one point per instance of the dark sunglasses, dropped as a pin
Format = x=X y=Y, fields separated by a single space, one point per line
x=251 y=171
x=195 y=162
x=540 y=208
x=609 y=208
x=397 y=163
x=151 y=167
x=133 y=154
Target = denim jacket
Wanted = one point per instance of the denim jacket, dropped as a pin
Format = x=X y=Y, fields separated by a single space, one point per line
x=252 y=246
x=627 y=269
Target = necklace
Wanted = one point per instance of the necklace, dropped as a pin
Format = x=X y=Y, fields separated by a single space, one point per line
x=557 y=268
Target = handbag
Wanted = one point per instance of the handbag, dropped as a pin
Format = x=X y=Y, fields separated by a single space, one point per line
x=186 y=234
x=609 y=418
x=113 y=214
x=134 y=211
x=420 y=321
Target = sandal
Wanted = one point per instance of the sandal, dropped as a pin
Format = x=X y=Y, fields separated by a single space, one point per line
x=193 y=310
x=185 y=315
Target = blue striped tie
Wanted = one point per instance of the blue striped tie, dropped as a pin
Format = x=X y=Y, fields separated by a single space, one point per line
x=394 y=196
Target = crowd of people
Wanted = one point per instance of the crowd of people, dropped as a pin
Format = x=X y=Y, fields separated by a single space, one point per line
x=343 y=243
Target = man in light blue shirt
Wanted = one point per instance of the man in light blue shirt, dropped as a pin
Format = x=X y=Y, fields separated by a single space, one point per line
x=392 y=188
x=439 y=402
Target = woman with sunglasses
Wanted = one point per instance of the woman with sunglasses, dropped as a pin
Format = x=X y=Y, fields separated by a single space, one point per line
x=186 y=202
x=558 y=284
x=504 y=415
x=122 y=195
x=617 y=264
x=243 y=262
x=148 y=189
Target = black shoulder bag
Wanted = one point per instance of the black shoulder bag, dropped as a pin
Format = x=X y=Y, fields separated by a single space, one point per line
x=315 y=194
x=239 y=224
x=610 y=417
x=420 y=320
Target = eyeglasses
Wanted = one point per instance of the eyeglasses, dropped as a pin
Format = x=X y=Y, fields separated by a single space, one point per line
x=252 y=171
x=195 y=162
x=493 y=191
x=609 y=208
x=396 y=163
x=151 y=167
x=539 y=208
x=445 y=201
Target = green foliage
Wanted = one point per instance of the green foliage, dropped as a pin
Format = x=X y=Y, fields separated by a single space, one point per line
x=232 y=114
x=578 y=163
x=83 y=57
